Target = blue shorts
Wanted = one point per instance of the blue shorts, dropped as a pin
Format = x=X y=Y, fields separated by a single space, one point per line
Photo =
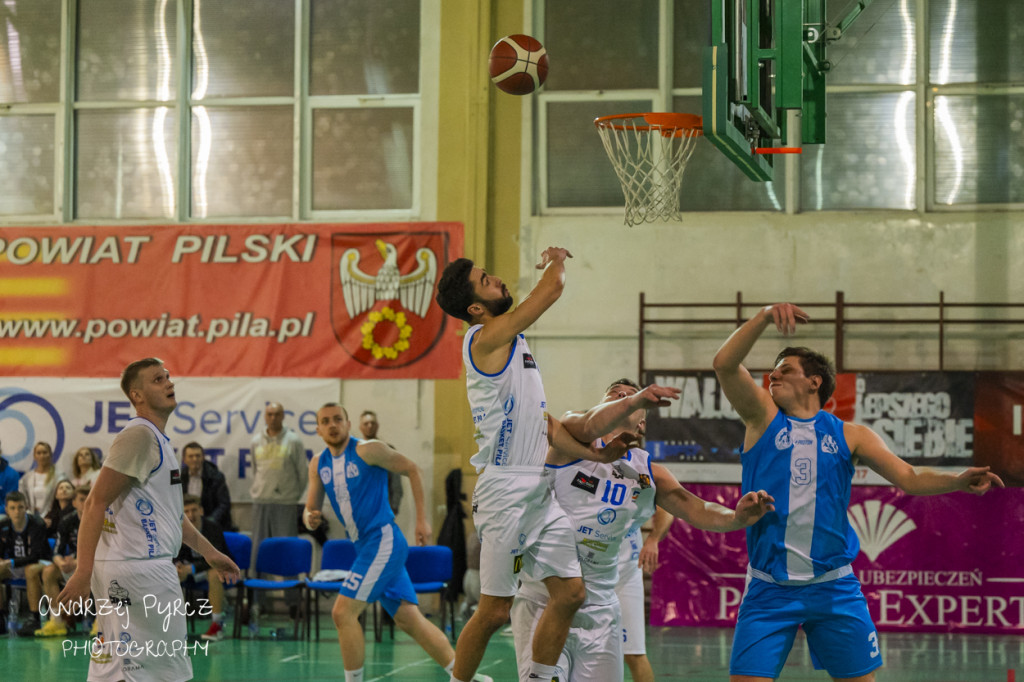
x=378 y=573
x=835 y=618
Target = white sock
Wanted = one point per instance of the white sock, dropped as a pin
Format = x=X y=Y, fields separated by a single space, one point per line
x=542 y=672
x=218 y=617
x=354 y=675
x=448 y=668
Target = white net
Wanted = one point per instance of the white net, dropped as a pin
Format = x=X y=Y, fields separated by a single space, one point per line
x=650 y=152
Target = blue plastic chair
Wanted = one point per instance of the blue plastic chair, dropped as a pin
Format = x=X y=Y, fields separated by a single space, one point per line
x=282 y=557
x=430 y=569
x=237 y=543
x=338 y=555
x=240 y=549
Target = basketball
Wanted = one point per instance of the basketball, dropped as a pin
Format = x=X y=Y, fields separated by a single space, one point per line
x=518 y=64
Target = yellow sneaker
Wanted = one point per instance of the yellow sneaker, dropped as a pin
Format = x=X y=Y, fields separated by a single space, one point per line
x=52 y=628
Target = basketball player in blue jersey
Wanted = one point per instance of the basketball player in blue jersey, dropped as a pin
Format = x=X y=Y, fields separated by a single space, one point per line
x=605 y=501
x=353 y=475
x=800 y=555
x=515 y=516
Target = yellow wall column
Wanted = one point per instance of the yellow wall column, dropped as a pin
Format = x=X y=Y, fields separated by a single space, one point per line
x=479 y=140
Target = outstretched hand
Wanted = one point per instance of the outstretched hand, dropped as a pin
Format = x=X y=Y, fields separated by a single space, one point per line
x=978 y=480
x=786 y=317
x=656 y=396
x=552 y=254
x=753 y=506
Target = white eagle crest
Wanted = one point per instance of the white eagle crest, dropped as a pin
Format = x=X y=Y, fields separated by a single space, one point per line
x=878 y=526
x=413 y=291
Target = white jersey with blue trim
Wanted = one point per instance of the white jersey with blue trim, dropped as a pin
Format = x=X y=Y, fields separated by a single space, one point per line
x=605 y=503
x=145 y=521
x=508 y=409
x=806 y=465
x=629 y=552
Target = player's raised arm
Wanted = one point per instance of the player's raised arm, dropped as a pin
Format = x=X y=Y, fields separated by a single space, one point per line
x=564 y=448
x=499 y=331
x=751 y=401
x=869 y=448
x=609 y=416
x=681 y=503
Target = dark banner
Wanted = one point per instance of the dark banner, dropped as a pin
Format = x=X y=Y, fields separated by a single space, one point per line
x=927 y=418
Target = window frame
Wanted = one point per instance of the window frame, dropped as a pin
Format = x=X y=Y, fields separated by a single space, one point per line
x=422 y=104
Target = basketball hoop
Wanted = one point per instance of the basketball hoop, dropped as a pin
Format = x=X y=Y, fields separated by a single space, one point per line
x=649 y=153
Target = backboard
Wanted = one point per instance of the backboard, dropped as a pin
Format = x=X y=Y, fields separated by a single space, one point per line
x=766 y=57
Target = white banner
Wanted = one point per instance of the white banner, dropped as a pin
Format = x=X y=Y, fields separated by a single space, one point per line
x=222 y=415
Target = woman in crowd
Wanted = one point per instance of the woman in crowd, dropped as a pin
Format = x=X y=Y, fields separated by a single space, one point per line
x=61 y=507
x=40 y=484
x=85 y=467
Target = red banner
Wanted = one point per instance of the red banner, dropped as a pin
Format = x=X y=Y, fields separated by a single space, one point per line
x=348 y=301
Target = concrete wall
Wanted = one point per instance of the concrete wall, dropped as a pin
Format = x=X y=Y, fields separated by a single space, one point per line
x=590 y=336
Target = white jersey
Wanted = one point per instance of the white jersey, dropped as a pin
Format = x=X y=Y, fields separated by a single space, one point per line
x=508 y=409
x=629 y=552
x=605 y=502
x=145 y=521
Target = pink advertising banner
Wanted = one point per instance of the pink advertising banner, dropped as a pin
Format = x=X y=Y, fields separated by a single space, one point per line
x=941 y=563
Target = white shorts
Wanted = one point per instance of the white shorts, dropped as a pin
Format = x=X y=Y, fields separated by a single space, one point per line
x=593 y=649
x=519 y=521
x=141 y=628
x=630 y=590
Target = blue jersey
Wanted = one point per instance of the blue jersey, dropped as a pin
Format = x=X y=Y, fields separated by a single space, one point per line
x=806 y=465
x=358 y=491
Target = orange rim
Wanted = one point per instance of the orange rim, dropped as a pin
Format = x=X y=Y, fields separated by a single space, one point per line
x=667 y=123
x=778 y=150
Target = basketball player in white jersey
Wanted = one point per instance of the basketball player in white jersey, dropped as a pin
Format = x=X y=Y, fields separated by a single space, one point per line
x=605 y=501
x=513 y=511
x=133 y=524
x=636 y=557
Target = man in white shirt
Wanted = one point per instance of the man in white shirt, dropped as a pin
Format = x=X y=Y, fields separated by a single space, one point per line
x=132 y=527
x=279 y=479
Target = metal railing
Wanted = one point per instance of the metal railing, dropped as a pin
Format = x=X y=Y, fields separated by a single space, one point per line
x=844 y=317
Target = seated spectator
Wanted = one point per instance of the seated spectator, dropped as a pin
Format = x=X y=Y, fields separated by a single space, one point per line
x=203 y=479
x=40 y=484
x=9 y=477
x=65 y=550
x=23 y=546
x=192 y=567
x=63 y=505
x=85 y=467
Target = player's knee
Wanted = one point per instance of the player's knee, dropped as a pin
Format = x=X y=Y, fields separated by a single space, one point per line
x=407 y=619
x=492 y=615
x=567 y=593
x=343 y=613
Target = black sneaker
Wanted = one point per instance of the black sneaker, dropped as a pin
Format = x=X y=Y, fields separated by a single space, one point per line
x=29 y=628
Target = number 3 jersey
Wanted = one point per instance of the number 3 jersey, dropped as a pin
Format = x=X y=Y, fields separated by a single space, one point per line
x=605 y=502
x=806 y=465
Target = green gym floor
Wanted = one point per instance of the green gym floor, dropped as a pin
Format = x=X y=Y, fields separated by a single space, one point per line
x=693 y=654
